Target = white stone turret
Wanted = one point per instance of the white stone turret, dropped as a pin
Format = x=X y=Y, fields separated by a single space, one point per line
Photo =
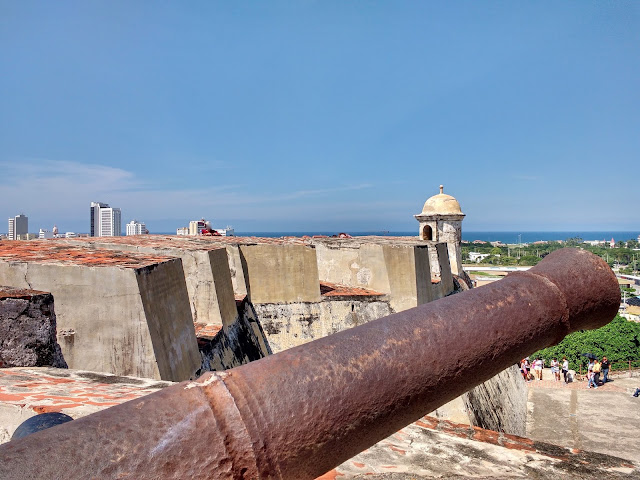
x=441 y=221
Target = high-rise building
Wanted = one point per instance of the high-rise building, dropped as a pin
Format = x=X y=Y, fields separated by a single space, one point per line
x=110 y=222
x=106 y=221
x=94 y=230
x=134 y=227
x=18 y=227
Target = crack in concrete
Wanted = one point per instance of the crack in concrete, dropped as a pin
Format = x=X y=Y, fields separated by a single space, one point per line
x=573 y=419
x=26 y=271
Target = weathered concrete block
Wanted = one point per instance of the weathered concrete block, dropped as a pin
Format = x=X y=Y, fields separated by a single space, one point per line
x=292 y=324
x=126 y=314
x=280 y=273
x=409 y=275
x=237 y=272
x=444 y=285
x=399 y=268
x=205 y=265
x=28 y=329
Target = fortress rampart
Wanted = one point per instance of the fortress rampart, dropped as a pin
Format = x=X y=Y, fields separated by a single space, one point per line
x=282 y=278
x=121 y=313
x=302 y=412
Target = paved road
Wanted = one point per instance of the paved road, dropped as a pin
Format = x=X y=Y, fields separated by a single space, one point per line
x=606 y=420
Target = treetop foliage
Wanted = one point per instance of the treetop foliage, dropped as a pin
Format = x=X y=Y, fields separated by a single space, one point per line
x=530 y=254
x=619 y=341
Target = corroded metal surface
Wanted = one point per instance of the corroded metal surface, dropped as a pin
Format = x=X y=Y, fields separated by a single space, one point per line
x=297 y=414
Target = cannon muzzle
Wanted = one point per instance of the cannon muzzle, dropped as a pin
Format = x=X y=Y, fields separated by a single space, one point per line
x=301 y=412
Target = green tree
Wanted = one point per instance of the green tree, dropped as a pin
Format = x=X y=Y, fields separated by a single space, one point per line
x=618 y=340
x=529 y=260
x=574 y=241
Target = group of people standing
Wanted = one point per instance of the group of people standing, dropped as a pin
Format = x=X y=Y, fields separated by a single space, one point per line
x=526 y=367
x=594 y=369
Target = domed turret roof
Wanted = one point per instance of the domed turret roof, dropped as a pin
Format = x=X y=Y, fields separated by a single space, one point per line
x=441 y=204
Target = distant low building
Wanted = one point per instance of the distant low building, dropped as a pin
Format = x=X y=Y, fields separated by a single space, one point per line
x=595 y=243
x=196 y=226
x=45 y=234
x=27 y=236
x=203 y=227
x=478 y=257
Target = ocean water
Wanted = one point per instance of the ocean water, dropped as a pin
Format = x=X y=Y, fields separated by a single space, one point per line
x=504 y=237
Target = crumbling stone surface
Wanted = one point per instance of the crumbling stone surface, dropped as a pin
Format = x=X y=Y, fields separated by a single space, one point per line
x=236 y=344
x=500 y=403
x=433 y=448
x=28 y=329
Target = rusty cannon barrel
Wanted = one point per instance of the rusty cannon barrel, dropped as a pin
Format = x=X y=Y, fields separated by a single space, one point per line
x=301 y=412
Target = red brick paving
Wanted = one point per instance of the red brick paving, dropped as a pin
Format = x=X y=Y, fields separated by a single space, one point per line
x=43 y=392
x=335 y=290
x=206 y=331
x=37 y=251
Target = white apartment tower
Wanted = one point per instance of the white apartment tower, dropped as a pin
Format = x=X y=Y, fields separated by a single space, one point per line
x=94 y=230
x=18 y=226
x=110 y=222
x=134 y=227
x=106 y=221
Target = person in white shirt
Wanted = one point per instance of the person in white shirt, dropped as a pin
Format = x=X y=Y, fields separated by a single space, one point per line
x=537 y=367
x=565 y=369
x=555 y=369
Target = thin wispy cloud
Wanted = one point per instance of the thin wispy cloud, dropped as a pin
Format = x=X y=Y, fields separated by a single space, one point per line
x=323 y=191
x=58 y=175
x=63 y=189
x=528 y=178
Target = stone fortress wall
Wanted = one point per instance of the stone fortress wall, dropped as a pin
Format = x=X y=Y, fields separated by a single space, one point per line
x=166 y=307
x=120 y=313
x=301 y=288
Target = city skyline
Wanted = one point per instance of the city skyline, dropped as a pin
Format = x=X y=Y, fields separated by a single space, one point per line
x=320 y=116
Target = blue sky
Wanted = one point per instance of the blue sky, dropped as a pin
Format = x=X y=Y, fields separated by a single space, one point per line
x=334 y=116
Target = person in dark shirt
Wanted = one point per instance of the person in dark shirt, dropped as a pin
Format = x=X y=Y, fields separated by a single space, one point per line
x=604 y=366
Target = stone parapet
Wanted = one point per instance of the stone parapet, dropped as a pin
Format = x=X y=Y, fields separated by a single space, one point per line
x=280 y=273
x=205 y=264
x=123 y=313
x=399 y=267
x=289 y=325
